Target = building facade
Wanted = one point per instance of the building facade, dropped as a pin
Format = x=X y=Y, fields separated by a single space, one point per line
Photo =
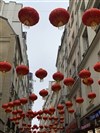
x=13 y=50
x=80 y=49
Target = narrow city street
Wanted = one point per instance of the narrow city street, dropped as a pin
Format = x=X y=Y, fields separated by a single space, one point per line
x=50 y=66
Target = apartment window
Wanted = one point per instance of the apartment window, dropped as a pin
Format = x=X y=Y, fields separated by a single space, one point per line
x=68 y=29
x=85 y=40
x=69 y=46
x=97 y=5
x=78 y=58
x=66 y=56
x=99 y=56
x=82 y=8
x=72 y=19
x=77 y=27
x=73 y=36
x=74 y=101
x=70 y=72
x=74 y=67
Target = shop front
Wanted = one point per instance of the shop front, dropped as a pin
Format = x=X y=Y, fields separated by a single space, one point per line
x=91 y=123
x=72 y=127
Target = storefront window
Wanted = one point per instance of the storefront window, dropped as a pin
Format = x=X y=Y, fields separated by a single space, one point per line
x=90 y=131
x=97 y=130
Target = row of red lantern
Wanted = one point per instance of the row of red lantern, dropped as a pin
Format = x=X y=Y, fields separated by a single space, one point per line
x=71 y=111
x=69 y=81
x=20 y=70
x=33 y=97
x=32 y=115
x=41 y=73
x=20 y=114
x=58 y=17
x=58 y=76
x=25 y=126
x=83 y=74
x=18 y=102
x=44 y=129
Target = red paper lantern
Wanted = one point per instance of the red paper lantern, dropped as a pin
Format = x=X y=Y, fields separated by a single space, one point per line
x=28 y=16
x=59 y=17
x=14 y=119
x=30 y=112
x=84 y=74
x=56 y=87
x=69 y=104
x=20 y=111
x=18 y=117
x=91 y=95
x=60 y=106
x=55 y=118
x=23 y=124
x=43 y=93
x=8 y=110
x=79 y=100
x=41 y=126
x=51 y=118
x=34 y=114
x=33 y=97
x=29 y=125
x=61 y=112
x=22 y=115
x=35 y=126
x=14 y=112
x=16 y=122
x=22 y=70
x=58 y=76
x=52 y=110
x=69 y=81
x=97 y=67
x=39 y=117
x=71 y=111
x=61 y=121
x=46 y=111
x=17 y=103
x=5 y=106
x=41 y=74
x=88 y=81
x=45 y=117
x=5 y=66
x=51 y=126
x=61 y=118
x=11 y=104
x=91 y=17
x=23 y=100
x=99 y=82
x=40 y=112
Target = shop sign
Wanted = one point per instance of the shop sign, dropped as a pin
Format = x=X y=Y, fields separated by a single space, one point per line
x=95 y=115
x=86 y=126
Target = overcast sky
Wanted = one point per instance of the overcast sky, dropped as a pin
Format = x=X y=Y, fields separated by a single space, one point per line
x=43 y=40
